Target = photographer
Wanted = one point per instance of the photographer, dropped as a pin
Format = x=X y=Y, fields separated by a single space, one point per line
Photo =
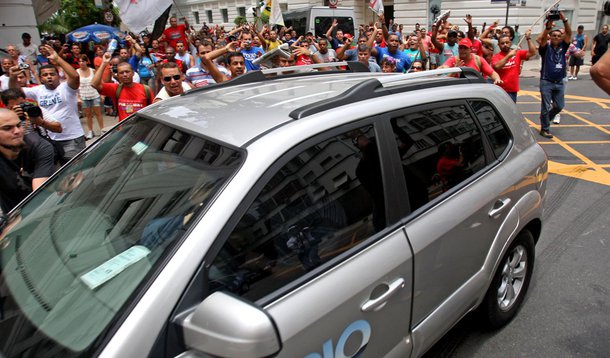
x=33 y=118
x=26 y=161
x=553 y=71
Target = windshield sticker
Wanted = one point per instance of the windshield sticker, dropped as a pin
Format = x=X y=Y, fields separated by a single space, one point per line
x=139 y=148
x=109 y=269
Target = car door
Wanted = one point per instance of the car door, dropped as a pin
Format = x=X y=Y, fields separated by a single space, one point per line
x=317 y=249
x=453 y=225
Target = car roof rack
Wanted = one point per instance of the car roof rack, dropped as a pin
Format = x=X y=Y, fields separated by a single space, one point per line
x=383 y=86
x=285 y=72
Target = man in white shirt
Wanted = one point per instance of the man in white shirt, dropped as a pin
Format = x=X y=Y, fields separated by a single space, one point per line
x=60 y=100
x=27 y=48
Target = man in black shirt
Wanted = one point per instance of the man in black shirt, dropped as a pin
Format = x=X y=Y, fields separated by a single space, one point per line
x=600 y=44
x=25 y=161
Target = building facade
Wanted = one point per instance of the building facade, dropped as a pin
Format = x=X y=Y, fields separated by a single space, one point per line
x=407 y=12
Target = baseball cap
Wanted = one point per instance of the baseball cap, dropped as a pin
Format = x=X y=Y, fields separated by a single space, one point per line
x=465 y=42
x=347 y=36
x=452 y=33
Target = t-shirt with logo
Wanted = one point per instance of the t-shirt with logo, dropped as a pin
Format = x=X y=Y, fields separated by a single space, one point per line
x=61 y=103
x=250 y=55
x=403 y=62
x=175 y=34
x=131 y=99
x=448 y=52
x=510 y=72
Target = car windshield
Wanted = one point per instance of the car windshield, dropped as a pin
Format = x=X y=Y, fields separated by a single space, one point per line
x=73 y=254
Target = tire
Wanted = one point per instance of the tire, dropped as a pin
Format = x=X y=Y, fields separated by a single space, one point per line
x=509 y=285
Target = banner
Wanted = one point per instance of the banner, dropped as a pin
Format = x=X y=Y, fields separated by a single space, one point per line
x=376 y=6
x=137 y=14
x=275 y=18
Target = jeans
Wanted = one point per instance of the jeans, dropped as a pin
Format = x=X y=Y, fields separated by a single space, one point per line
x=513 y=96
x=552 y=102
x=70 y=148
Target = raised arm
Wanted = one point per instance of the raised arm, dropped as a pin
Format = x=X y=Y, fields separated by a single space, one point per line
x=96 y=82
x=73 y=79
x=567 y=35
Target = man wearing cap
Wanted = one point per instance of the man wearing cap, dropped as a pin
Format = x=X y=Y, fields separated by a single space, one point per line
x=466 y=58
x=448 y=49
x=27 y=48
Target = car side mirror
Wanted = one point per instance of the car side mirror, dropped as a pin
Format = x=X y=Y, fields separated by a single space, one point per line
x=226 y=326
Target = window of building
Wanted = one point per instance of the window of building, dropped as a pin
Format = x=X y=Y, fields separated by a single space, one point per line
x=225 y=15
x=196 y=16
x=315 y=217
x=241 y=11
x=210 y=16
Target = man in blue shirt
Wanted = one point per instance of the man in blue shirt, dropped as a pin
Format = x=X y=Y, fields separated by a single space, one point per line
x=392 y=50
x=250 y=52
x=552 y=72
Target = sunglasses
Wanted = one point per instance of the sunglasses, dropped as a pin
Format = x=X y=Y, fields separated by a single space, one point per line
x=417 y=67
x=169 y=78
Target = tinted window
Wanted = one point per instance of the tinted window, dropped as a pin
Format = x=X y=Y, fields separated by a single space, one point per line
x=324 y=201
x=439 y=148
x=78 y=250
x=323 y=23
x=492 y=125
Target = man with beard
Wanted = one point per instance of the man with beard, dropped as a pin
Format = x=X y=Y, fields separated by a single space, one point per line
x=172 y=79
x=25 y=161
x=600 y=44
x=507 y=63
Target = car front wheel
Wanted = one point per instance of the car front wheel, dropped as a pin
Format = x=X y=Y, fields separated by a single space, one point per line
x=510 y=282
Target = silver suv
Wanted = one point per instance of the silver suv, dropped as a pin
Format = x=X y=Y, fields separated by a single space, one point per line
x=333 y=214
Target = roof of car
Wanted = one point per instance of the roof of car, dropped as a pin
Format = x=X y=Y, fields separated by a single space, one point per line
x=236 y=114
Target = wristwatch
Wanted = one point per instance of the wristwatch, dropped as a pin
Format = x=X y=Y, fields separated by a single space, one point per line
x=564 y=20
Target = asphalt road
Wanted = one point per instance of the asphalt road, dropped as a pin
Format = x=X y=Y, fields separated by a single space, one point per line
x=567 y=309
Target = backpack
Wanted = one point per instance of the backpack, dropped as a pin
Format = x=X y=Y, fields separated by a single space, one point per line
x=147 y=92
x=477 y=60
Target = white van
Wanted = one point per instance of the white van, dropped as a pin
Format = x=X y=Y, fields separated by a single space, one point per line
x=318 y=19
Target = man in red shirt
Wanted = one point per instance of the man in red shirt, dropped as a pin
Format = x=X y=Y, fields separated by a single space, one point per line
x=131 y=96
x=466 y=58
x=175 y=32
x=507 y=63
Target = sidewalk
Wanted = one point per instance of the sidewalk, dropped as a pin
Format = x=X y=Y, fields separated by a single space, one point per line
x=108 y=123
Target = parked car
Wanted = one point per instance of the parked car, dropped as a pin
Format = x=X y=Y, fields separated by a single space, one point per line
x=307 y=215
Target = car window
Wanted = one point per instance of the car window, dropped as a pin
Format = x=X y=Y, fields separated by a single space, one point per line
x=492 y=125
x=324 y=201
x=439 y=148
x=80 y=248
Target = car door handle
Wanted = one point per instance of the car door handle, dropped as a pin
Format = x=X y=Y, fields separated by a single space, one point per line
x=499 y=205
x=379 y=302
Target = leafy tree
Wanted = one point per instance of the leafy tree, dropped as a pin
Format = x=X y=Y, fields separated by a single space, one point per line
x=73 y=14
x=240 y=20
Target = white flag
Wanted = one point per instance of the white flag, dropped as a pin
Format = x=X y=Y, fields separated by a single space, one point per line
x=137 y=14
x=376 y=6
x=275 y=18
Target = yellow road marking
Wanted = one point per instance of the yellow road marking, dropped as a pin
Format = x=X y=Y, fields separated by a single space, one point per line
x=602 y=102
x=580 y=142
x=538 y=112
x=584 y=172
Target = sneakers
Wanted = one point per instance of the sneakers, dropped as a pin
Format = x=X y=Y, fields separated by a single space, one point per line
x=89 y=135
x=557 y=119
x=574 y=78
x=546 y=134
x=570 y=78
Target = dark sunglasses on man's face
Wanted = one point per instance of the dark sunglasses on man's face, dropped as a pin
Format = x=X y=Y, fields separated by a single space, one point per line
x=416 y=67
x=169 y=78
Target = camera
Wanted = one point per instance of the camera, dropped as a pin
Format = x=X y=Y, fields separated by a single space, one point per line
x=31 y=109
x=553 y=14
x=606 y=8
x=24 y=66
x=114 y=68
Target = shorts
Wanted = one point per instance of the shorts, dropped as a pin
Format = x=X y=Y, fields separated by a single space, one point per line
x=575 y=61
x=68 y=149
x=88 y=103
x=434 y=58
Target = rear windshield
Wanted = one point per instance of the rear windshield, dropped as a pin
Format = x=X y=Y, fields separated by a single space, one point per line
x=77 y=250
x=323 y=23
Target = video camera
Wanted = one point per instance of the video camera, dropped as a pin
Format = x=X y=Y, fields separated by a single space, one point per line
x=31 y=109
x=553 y=14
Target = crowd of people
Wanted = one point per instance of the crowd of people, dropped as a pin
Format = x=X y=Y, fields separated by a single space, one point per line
x=69 y=80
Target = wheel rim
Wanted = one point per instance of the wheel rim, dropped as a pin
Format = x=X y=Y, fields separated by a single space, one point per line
x=513 y=277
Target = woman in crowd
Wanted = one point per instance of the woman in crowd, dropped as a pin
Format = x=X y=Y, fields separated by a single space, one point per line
x=91 y=101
